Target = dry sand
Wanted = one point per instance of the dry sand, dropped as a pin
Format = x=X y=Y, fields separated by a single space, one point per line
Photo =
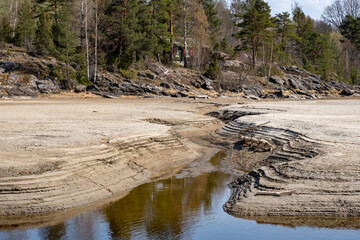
x=62 y=154
x=316 y=155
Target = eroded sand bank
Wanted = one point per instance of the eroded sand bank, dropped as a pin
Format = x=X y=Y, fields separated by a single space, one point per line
x=316 y=156
x=62 y=154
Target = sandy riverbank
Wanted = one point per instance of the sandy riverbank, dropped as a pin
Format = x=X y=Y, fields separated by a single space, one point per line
x=316 y=157
x=62 y=154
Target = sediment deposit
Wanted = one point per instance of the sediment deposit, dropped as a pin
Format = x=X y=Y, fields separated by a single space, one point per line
x=62 y=154
x=313 y=169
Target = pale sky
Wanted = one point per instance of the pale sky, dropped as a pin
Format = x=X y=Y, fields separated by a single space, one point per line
x=313 y=8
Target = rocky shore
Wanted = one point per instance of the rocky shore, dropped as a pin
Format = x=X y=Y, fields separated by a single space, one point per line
x=24 y=76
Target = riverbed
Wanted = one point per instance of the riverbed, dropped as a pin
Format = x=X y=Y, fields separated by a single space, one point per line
x=100 y=169
x=175 y=208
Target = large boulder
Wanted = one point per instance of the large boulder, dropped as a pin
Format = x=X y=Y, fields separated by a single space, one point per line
x=14 y=78
x=15 y=92
x=158 y=69
x=80 y=88
x=233 y=63
x=296 y=84
x=48 y=86
x=207 y=85
x=277 y=80
x=165 y=85
x=347 y=92
x=9 y=66
x=30 y=91
x=255 y=90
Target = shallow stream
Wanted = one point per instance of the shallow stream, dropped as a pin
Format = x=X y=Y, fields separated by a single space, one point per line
x=175 y=208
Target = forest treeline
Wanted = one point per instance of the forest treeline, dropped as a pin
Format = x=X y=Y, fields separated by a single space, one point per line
x=118 y=35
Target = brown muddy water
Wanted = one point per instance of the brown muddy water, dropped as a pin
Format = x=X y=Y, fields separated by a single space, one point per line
x=175 y=208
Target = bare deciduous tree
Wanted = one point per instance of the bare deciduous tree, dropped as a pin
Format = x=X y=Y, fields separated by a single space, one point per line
x=336 y=12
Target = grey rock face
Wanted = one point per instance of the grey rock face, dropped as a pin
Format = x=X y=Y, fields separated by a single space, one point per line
x=30 y=91
x=48 y=86
x=80 y=88
x=277 y=80
x=158 y=69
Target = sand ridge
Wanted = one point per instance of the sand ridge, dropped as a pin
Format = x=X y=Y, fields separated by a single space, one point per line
x=63 y=154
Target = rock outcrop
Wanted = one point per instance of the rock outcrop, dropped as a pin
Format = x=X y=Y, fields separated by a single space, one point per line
x=25 y=76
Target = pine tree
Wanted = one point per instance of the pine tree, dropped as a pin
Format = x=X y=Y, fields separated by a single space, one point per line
x=254 y=26
x=44 y=44
x=25 y=30
x=350 y=29
x=284 y=29
x=123 y=32
x=5 y=31
x=213 y=20
x=158 y=28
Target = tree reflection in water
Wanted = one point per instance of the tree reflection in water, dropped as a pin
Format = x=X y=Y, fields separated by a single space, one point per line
x=166 y=209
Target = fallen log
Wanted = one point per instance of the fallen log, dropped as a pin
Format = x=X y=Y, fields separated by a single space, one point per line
x=276 y=194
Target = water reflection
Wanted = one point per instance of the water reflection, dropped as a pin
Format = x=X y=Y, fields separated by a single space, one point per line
x=180 y=208
x=166 y=209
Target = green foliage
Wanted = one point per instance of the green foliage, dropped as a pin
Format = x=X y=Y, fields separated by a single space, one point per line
x=224 y=45
x=284 y=29
x=254 y=26
x=124 y=31
x=350 y=28
x=128 y=74
x=25 y=30
x=213 y=20
x=354 y=76
x=213 y=69
x=44 y=44
x=5 y=31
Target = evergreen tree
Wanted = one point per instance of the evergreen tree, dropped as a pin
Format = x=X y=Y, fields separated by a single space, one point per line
x=5 y=31
x=284 y=29
x=63 y=37
x=25 y=30
x=254 y=26
x=213 y=20
x=44 y=44
x=350 y=29
x=123 y=32
x=159 y=35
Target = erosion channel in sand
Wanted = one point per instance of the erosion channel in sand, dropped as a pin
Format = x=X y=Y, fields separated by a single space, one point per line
x=307 y=154
x=59 y=155
x=63 y=154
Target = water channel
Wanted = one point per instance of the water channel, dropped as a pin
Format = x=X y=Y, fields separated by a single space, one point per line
x=175 y=208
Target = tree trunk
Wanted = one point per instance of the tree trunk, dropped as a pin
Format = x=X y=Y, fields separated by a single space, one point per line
x=172 y=34
x=253 y=53
x=185 y=34
x=87 y=41
x=11 y=13
x=82 y=27
x=67 y=59
x=15 y=18
x=263 y=50
x=96 y=39
x=56 y=13
x=271 y=58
